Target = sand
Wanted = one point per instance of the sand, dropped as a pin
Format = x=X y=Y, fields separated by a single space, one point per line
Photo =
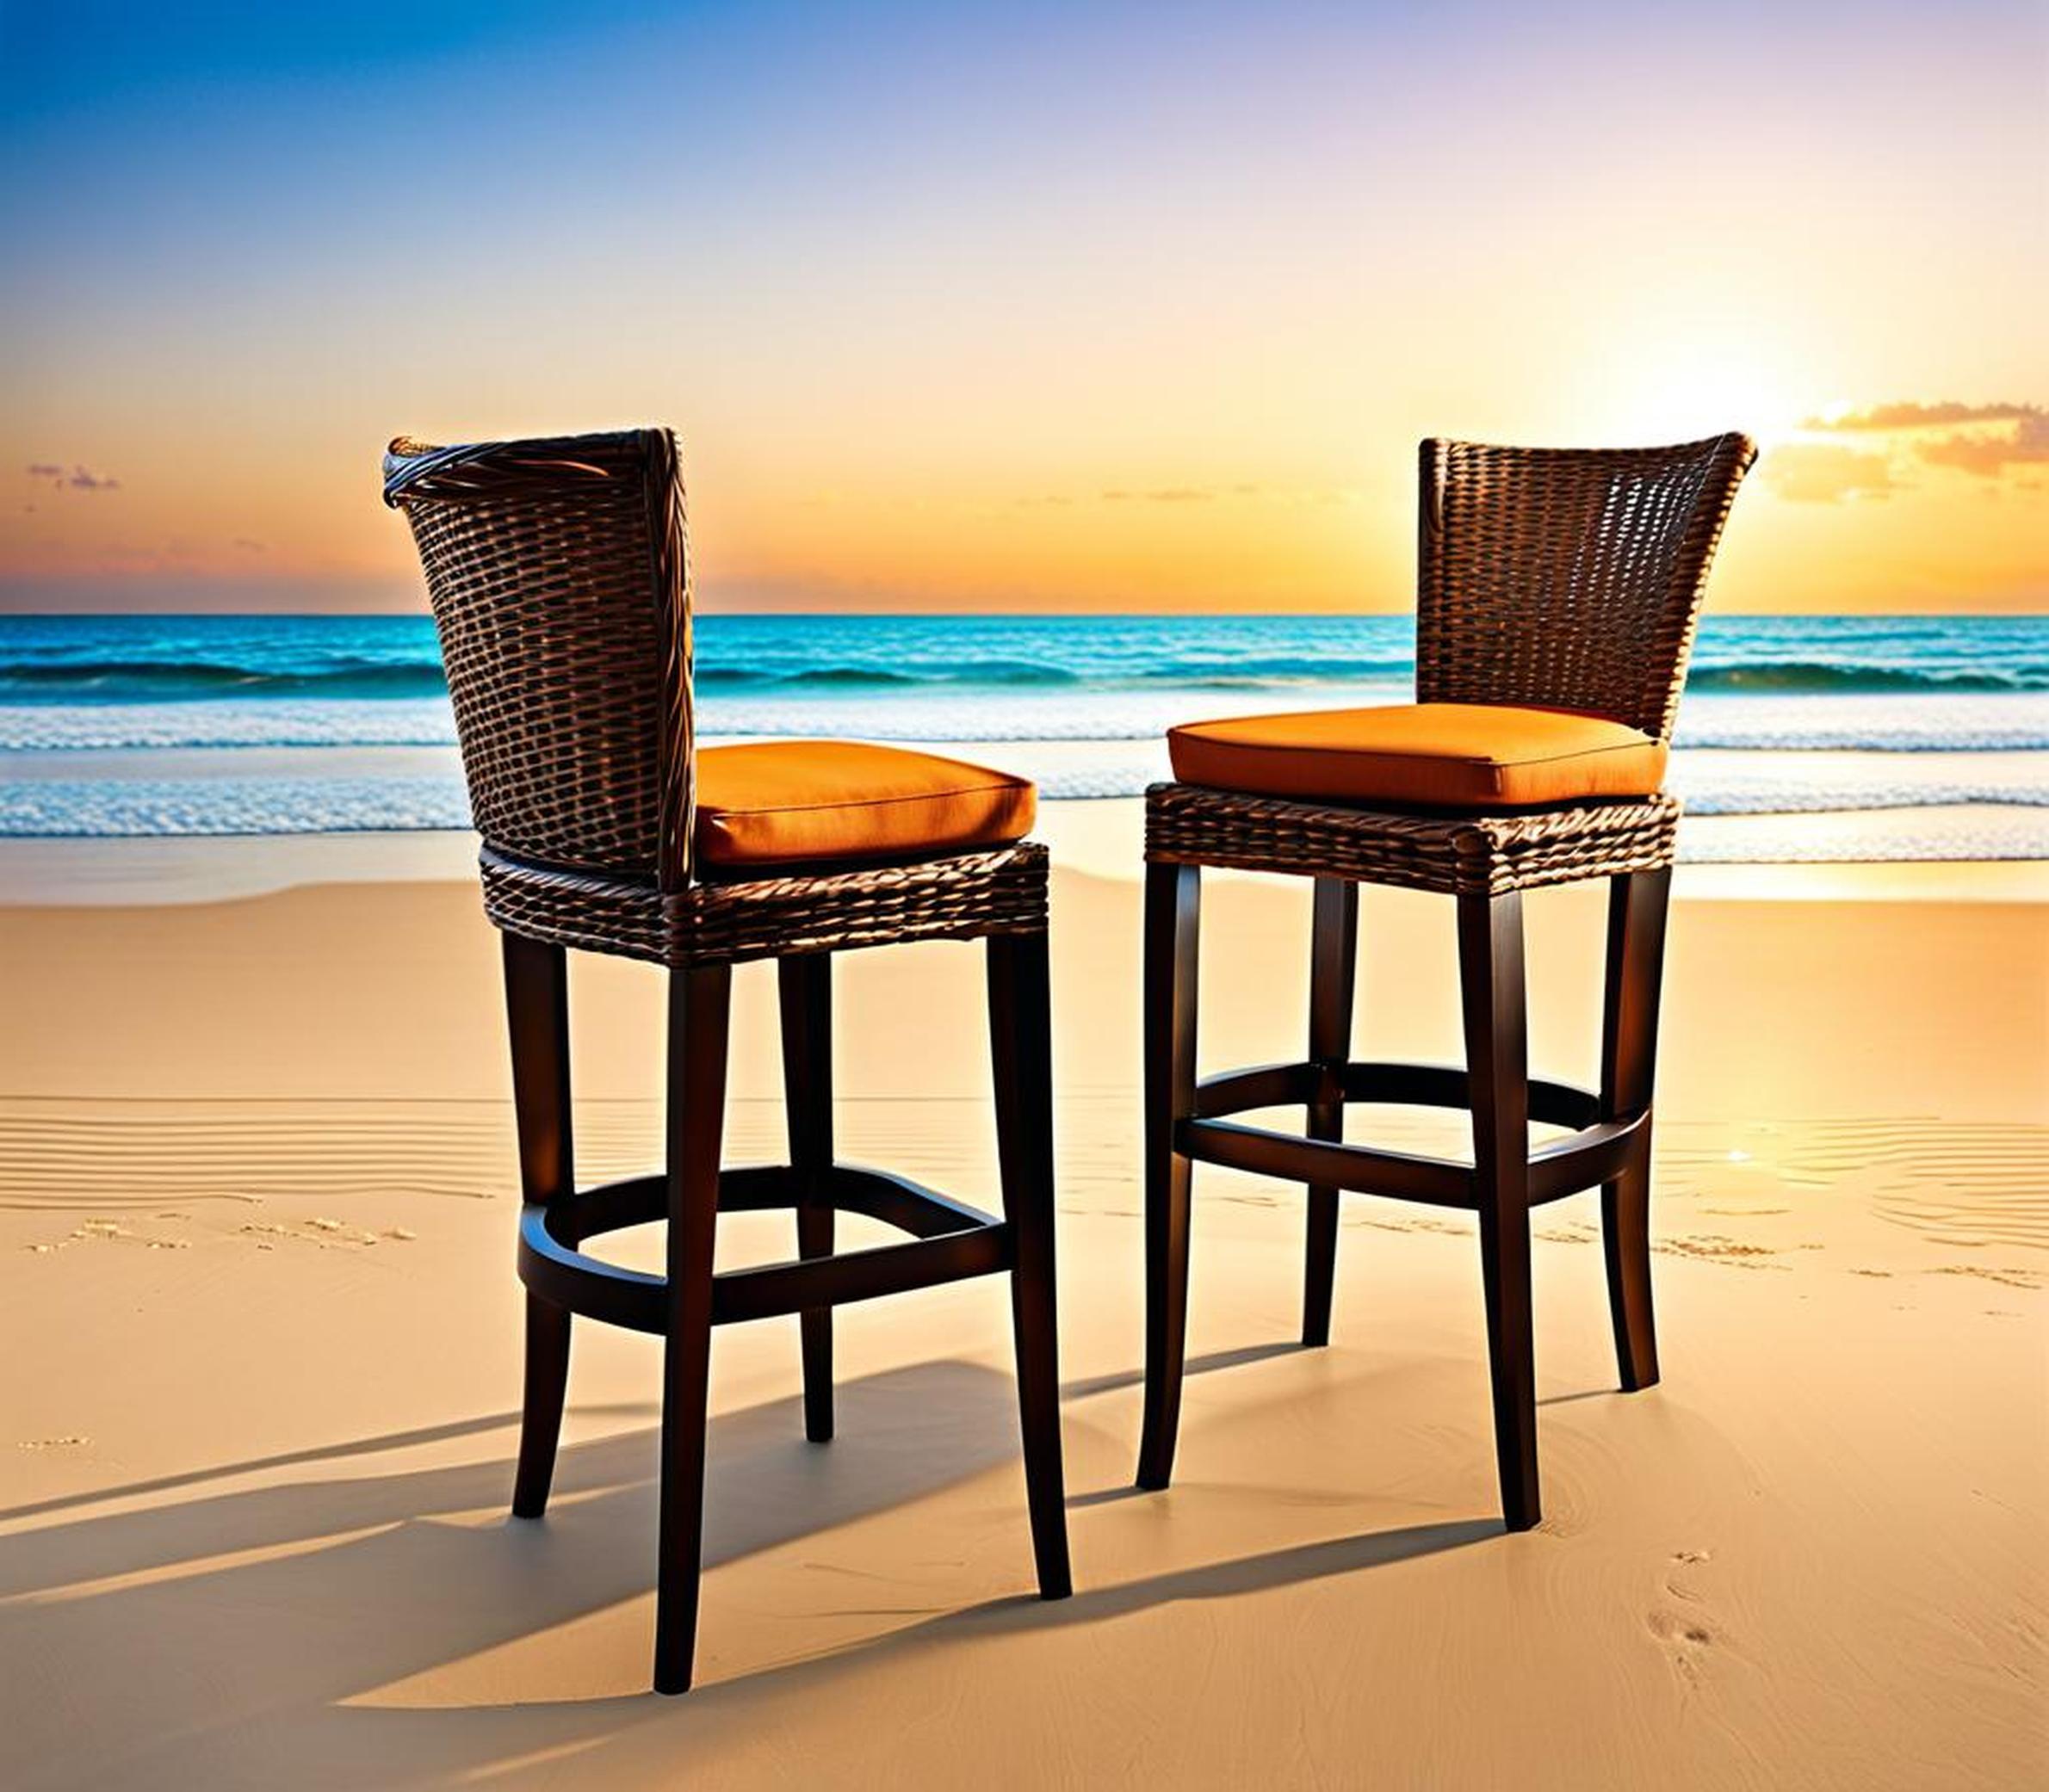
x=260 y=1323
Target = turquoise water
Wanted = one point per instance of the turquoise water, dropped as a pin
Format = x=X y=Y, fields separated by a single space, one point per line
x=60 y=662
x=141 y=725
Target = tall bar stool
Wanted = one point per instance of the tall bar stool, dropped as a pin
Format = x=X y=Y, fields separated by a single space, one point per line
x=559 y=573
x=1556 y=599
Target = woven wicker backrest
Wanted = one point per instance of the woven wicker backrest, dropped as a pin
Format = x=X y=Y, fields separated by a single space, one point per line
x=1568 y=579
x=559 y=571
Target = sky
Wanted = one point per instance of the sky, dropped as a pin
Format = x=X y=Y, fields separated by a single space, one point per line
x=1088 y=308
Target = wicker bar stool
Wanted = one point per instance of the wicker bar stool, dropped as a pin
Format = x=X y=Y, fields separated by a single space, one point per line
x=559 y=573
x=1558 y=590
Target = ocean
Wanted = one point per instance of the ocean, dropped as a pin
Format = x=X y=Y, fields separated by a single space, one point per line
x=1931 y=733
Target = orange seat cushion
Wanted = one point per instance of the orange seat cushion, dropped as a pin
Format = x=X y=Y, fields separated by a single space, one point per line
x=1436 y=756
x=799 y=801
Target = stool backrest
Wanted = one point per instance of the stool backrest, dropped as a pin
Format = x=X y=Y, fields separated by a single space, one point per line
x=1568 y=579
x=559 y=572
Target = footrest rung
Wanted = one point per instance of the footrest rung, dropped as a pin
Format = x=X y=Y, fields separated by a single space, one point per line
x=949 y=1241
x=1430 y=1180
x=761 y=1293
x=1427 y=1085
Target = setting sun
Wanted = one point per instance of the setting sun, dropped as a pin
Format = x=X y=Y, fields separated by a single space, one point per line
x=933 y=344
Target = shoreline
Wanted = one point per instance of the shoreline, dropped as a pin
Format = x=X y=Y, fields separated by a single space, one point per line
x=1100 y=836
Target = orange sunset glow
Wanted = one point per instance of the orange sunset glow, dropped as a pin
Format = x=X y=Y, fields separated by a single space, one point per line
x=962 y=313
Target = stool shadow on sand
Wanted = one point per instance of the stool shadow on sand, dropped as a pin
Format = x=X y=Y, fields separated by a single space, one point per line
x=260 y=1621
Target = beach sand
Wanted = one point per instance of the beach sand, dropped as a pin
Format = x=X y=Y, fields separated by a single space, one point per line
x=261 y=1326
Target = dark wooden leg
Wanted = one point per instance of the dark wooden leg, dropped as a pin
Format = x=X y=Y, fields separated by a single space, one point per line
x=1172 y=923
x=540 y=1409
x=698 y=1005
x=1490 y=967
x=1637 y=909
x=537 y=1017
x=1021 y=1050
x=1333 y=952
x=805 y=985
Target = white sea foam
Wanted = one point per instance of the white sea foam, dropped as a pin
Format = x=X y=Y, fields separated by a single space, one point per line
x=1885 y=723
x=1867 y=836
x=286 y=792
x=1718 y=781
x=116 y=807
x=1912 y=723
x=275 y=722
x=1832 y=737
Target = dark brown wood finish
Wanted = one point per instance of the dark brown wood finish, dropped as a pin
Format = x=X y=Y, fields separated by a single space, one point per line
x=1637 y=909
x=1173 y=930
x=805 y=986
x=1490 y=975
x=1021 y=1055
x=1403 y=1175
x=1429 y=1085
x=1608 y=1144
x=537 y=1022
x=1334 y=954
x=949 y=1241
x=1562 y=578
x=559 y=572
x=698 y=1004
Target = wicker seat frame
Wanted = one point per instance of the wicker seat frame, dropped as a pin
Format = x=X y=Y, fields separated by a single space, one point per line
x=559 y=572
x=1561 y=578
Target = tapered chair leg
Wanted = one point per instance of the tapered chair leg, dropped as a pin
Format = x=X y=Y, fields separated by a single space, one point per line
x=1334 y=953
x=1020 y=1041
x=805 y=985
x=698 y=1007
x=540 y=1408
x=537 y=1016
x=1490 y=967
x=1637 y=909
x=1173 y=926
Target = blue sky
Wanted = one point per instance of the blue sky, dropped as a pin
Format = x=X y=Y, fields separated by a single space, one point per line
x=899 y=273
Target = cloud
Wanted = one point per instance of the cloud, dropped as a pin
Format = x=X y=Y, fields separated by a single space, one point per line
x=1826 y=473
x=1908 y=415
x=1990 y=455
x=79 y=478
x=1162 y=495
x=249 y=544
x=1295 y=497
x=1982 y=440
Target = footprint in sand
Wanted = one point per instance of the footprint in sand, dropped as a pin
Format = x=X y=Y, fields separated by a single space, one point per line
x=1684 y=1640
x=1685 y=1636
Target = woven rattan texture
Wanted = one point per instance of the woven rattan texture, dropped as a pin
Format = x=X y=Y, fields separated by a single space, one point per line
x=968 y=896
x=1565 y=577
x=1449 y=855
x=559 y=574
x=559 y=570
